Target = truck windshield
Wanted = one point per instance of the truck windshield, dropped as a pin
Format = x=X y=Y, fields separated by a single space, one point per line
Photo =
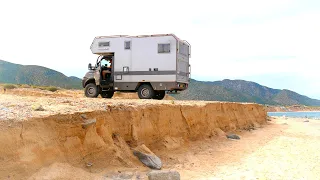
x=105 y=63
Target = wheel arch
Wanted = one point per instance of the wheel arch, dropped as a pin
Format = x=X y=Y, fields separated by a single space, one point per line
x=141 y=83
x=89 y=81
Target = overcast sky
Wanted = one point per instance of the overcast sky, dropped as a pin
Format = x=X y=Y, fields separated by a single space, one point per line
x=275 y=43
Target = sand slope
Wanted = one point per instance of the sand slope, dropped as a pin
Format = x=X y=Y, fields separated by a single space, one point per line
x=61 y=138
x=188 y=136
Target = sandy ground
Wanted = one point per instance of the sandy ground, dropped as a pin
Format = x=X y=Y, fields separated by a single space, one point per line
x=295 y=108
x=281 y=149
x=16 y=104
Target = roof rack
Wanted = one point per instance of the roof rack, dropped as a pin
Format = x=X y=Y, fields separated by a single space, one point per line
x=138 y=36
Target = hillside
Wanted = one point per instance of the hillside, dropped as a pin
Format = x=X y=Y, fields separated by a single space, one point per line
x=242 y=91
x=226 y=90
x=35 y=75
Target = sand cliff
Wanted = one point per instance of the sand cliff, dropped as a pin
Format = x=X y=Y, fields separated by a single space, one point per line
x=102 y=133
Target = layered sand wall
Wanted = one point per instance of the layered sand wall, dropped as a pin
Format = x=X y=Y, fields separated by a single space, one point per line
x=105 y=137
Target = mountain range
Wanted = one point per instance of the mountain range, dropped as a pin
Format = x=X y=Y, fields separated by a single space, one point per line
x=35 y=75
x=225 y=90
x=242 y=91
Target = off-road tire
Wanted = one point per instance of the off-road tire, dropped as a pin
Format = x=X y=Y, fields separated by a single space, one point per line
x=159 y=95
x=145 y=91
x=107 y=94
x=91 y=90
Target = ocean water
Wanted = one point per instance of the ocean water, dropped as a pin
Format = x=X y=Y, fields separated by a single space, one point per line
x=312 y=115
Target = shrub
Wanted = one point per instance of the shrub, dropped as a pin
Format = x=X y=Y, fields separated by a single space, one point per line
x=9 y=86
x=42 y=88
x=25 y=86
x=36 y=87
x=52 y=88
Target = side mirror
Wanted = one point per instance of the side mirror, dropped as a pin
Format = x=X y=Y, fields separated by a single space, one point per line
x=89 y=66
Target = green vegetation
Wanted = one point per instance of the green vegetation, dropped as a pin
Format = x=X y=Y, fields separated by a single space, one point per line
x=48 y=88
x=242 y=91
x=45 y=88
x=9 y=86
x=36 y=76
x=24 y=86
x=52 y=88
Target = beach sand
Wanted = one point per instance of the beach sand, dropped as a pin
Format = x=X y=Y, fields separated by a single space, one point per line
x=285 y=148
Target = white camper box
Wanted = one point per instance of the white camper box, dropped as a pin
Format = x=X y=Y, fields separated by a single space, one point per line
x=161 y=60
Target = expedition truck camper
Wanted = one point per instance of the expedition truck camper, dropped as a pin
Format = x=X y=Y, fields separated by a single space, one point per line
x=149 y=64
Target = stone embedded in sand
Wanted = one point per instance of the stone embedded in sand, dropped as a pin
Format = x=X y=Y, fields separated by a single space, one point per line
x=233 y=136
x=163 y=175
x=88 y=122
x=147 y=157
x=89 y=164
x=37 y=107
x=83 y=116
x=306 y=121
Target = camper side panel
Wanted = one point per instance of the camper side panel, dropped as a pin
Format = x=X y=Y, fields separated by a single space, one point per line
x=146 y=57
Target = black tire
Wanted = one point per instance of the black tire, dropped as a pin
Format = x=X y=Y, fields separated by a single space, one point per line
x=91 y=90
x=107 y=94
x=145 y=91
x=159 y=95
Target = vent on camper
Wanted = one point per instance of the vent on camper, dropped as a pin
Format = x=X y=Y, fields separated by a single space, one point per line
x=127 y=45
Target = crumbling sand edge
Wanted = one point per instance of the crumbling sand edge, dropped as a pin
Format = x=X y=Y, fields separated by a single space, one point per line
x=27 y=146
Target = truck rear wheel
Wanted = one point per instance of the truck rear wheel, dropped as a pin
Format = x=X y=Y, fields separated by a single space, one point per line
x=159 y=95
x=146 y=91
x=107 y=94
x=91 y=90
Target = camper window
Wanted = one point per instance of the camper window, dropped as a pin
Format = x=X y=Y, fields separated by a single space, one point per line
x=127 y=45
x=183 y=49
x=163 y=48
x=104 y=44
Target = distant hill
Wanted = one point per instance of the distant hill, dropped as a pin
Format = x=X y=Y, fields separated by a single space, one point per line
x=35 y=75
x=226 y=90
x=242 y=91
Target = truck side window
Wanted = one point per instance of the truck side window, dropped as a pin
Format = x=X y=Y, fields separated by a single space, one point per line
x=127 y=45
x=163 y=48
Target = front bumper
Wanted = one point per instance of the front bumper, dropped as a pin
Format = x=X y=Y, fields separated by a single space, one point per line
x=84 y=80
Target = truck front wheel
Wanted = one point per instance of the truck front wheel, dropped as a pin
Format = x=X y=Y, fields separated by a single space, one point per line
x=91 y=90
x=146 y=91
